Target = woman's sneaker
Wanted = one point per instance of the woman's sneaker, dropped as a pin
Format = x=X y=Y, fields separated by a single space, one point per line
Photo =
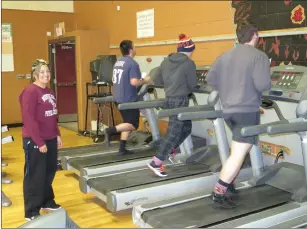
x=31 y=218
x=51 y=207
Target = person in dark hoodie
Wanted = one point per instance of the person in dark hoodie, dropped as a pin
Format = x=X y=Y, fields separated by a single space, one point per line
x=177 y=73
x=240 y=75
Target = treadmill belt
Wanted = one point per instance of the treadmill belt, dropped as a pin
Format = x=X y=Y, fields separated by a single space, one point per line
x=142 y=177
x=93 y=146
x=85 y=150
x=201 y=213
x=83 y=162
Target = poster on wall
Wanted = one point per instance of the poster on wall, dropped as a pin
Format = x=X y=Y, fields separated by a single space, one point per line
x=59 y=29
x=7 y=48
x=145 y=23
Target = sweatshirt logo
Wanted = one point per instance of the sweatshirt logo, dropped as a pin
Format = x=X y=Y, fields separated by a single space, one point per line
x=51 y=99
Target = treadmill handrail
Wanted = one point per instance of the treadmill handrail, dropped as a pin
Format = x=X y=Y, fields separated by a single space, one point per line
x=106 y=99
x=278 y=111
x=142 y=104
x=299 y=126
x=200 y=115
x=143 y=90
x=259 y=129
x=155 y=86
x=176 y=111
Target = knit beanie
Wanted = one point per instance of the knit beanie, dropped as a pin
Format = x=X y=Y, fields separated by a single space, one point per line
x=185 y=44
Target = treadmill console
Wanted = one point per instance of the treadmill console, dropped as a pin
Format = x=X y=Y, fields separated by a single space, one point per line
x=288 y=82
x=201 y=72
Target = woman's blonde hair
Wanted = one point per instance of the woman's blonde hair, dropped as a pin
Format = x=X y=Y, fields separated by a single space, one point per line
x=36 y=67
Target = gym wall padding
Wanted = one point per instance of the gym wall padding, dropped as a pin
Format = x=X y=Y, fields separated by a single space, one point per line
x=30 y=42
x=195 y=18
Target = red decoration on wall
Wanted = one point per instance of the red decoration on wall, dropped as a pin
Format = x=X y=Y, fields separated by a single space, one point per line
x=298 y=15
x=275 y=47
x=148 y=59
x=262 y=42
x=287 y=52
x=296 y=55
x=287 y=2
x=242 y=14
x=238 y=2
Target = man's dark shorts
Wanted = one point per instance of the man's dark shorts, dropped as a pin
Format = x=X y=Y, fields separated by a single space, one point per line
x=236 y=121
x=131 y=116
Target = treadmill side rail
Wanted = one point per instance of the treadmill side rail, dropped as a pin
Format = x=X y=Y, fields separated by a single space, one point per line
x=288 y=214
x=128 y=198
x=83 y=185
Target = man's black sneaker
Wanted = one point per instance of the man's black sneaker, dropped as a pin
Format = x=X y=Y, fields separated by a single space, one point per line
x=51 y=207
x=232 y=193
x=106 y=137
x=222 y=201
x=125 y=152
x=157 y=170
x=32 y=217
x=232 y=189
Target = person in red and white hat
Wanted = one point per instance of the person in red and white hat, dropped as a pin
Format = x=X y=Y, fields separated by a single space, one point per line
x=177 y=74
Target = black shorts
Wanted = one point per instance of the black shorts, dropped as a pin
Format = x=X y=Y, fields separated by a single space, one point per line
x=131 y=116
x=236 y=121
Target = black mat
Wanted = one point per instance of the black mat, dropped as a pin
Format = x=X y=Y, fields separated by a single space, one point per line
x=201 y=213
x=143 y=177
x=83 y=162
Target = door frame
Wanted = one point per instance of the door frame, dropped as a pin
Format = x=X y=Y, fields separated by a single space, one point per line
x=51 y=56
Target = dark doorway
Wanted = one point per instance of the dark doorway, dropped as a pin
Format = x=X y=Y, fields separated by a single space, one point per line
x=63 y=68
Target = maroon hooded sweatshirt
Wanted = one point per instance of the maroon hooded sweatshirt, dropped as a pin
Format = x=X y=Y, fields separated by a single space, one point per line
x=39 y=114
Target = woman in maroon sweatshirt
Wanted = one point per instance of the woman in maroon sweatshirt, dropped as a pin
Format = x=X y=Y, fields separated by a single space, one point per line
x=41 y=140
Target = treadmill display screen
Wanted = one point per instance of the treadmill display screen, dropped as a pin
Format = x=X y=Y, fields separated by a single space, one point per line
x=201 y=76
x=286 y=80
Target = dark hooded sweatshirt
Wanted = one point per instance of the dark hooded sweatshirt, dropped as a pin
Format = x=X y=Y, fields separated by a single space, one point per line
x=177 y=74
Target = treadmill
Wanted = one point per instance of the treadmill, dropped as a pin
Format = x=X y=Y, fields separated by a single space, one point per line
x=276 y=196
x=124 y=189
x=78 y=161
x=91 y=164
x=137 y=138
x=110 y=161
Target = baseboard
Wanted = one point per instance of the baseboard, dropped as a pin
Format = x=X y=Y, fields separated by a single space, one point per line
x=13 y=125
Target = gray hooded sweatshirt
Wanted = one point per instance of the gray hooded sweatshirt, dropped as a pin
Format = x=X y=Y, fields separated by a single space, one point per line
x=241 y=75
x=177 y=74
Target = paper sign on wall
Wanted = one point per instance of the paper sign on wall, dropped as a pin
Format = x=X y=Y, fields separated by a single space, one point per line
x=7 y=48
x=145 y=23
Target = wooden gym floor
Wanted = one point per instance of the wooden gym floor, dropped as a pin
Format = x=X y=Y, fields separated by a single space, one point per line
x=85 y=209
